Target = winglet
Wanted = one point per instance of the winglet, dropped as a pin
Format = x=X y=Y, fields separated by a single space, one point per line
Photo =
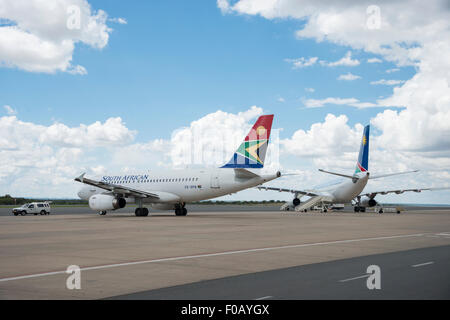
x=80 y=178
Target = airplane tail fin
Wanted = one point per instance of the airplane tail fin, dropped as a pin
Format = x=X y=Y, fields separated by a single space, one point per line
x=363 y=159
x=252 y=151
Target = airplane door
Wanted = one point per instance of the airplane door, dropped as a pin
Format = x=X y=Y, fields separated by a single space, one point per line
x=215 y=182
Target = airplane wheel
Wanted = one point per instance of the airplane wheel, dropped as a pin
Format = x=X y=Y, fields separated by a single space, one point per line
x=102 y=213
x=356 y=209
x=181 y=211
x=141 y=212
x=381 y=211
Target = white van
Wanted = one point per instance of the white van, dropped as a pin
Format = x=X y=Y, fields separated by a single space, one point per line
x=35 y=208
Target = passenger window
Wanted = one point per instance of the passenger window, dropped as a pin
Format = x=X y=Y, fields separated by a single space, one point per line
x=31 y=206
x=40 y=205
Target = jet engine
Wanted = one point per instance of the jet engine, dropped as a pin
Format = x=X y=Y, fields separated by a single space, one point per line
x=368 y=202
x=296 y=202
x=104 y=202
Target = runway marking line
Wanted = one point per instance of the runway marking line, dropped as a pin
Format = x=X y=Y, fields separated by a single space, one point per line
x=355 y=278
x=116 y=265
x=422 y=264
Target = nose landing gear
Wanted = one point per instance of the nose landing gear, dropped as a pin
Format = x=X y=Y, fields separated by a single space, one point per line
x=180 y=210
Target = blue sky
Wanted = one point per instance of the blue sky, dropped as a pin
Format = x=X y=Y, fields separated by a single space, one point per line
x=179 y=61
x=173 y=64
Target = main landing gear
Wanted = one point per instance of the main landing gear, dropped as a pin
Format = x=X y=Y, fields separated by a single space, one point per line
x=180 y=210
x=357 y=205
x=102 y=213
x=141 y=212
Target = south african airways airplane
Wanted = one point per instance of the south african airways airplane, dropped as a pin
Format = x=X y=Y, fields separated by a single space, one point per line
x=171 y=190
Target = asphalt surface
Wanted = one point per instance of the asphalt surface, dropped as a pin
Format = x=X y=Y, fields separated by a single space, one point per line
x=120 y=254
x=191 y=208
x=412 y=274
x=7 y=211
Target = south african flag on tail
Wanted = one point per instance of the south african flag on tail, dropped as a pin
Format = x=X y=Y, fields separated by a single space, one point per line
x=252 y=151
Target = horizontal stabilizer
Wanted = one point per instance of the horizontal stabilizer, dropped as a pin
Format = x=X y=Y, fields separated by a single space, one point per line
x=339 y=174
x=391 y=174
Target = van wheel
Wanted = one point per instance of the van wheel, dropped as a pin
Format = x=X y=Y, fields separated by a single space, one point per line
x=23 y=213
x=43 y=212
x=15 y=213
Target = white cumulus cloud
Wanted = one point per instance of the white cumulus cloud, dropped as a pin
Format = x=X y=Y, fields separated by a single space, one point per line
x=9 y=110
x=344 y=61
x=348 y=77
x=302 y=62
x=387 y=82
x=374 y=60
x=42 y=35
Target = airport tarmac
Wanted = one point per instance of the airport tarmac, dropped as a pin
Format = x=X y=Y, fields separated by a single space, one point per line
x=122 y=255
x=192 y=208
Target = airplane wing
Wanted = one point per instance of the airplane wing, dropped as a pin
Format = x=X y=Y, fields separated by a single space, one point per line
x=372 y=195
x=117 y=189
x=303 y=192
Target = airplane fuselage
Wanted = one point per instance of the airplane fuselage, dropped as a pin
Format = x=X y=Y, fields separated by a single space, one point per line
x=181 y=186
x=349 y=189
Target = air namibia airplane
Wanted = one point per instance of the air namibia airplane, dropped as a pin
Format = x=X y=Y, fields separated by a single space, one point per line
x=171 y=190
x=349 y=190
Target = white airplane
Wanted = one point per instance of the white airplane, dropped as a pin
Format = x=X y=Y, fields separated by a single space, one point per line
x=171 y=190
x=347 y=191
